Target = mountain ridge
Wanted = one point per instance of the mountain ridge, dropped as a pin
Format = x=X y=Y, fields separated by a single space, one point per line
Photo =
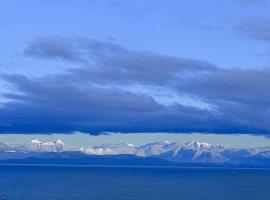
x=194 y=153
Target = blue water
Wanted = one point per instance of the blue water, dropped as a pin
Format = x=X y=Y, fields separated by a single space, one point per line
x=120 y=183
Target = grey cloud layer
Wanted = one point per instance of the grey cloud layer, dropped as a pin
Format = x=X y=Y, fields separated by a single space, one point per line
x=82 y=98
x=107 y=62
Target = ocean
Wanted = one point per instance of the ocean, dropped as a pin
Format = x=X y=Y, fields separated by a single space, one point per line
x=132 y=183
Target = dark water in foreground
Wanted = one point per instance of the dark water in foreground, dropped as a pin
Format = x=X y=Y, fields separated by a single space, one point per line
x=120 y=183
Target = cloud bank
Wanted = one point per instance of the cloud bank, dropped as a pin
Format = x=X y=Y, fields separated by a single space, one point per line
x=97 y=94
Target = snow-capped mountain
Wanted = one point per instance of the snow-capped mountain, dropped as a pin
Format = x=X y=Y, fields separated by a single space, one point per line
x=38 y=146
x=153 y=149
x=110 y=149
x=195 y=152
x=203 y=146
x=191 y=152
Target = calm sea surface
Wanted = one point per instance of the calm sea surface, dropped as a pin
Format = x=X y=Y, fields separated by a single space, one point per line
x=120 y=183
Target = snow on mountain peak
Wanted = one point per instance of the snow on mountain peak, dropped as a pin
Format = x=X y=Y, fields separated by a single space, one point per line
x=38 y=146
x=198 y=145
x=59 y=142
x=202 y=145
x=35 y=141
x=190 y=152
x=110 y=149
x=131 y=145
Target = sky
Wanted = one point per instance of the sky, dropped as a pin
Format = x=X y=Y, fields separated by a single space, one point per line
x=139 y=66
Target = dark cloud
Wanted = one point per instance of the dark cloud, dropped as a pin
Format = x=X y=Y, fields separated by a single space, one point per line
x=108 y=62
x=83 y=98
x=55 y=48
x=241 y=95
x=45 y=105
x=240 y=86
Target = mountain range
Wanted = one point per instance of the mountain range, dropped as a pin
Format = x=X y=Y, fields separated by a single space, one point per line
x=193 y=153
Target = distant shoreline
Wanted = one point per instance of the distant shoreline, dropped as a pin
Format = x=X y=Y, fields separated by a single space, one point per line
x=134 y=166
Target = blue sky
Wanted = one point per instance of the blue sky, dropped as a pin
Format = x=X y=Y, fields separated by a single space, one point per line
x=135 y=66
x=207 y=30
